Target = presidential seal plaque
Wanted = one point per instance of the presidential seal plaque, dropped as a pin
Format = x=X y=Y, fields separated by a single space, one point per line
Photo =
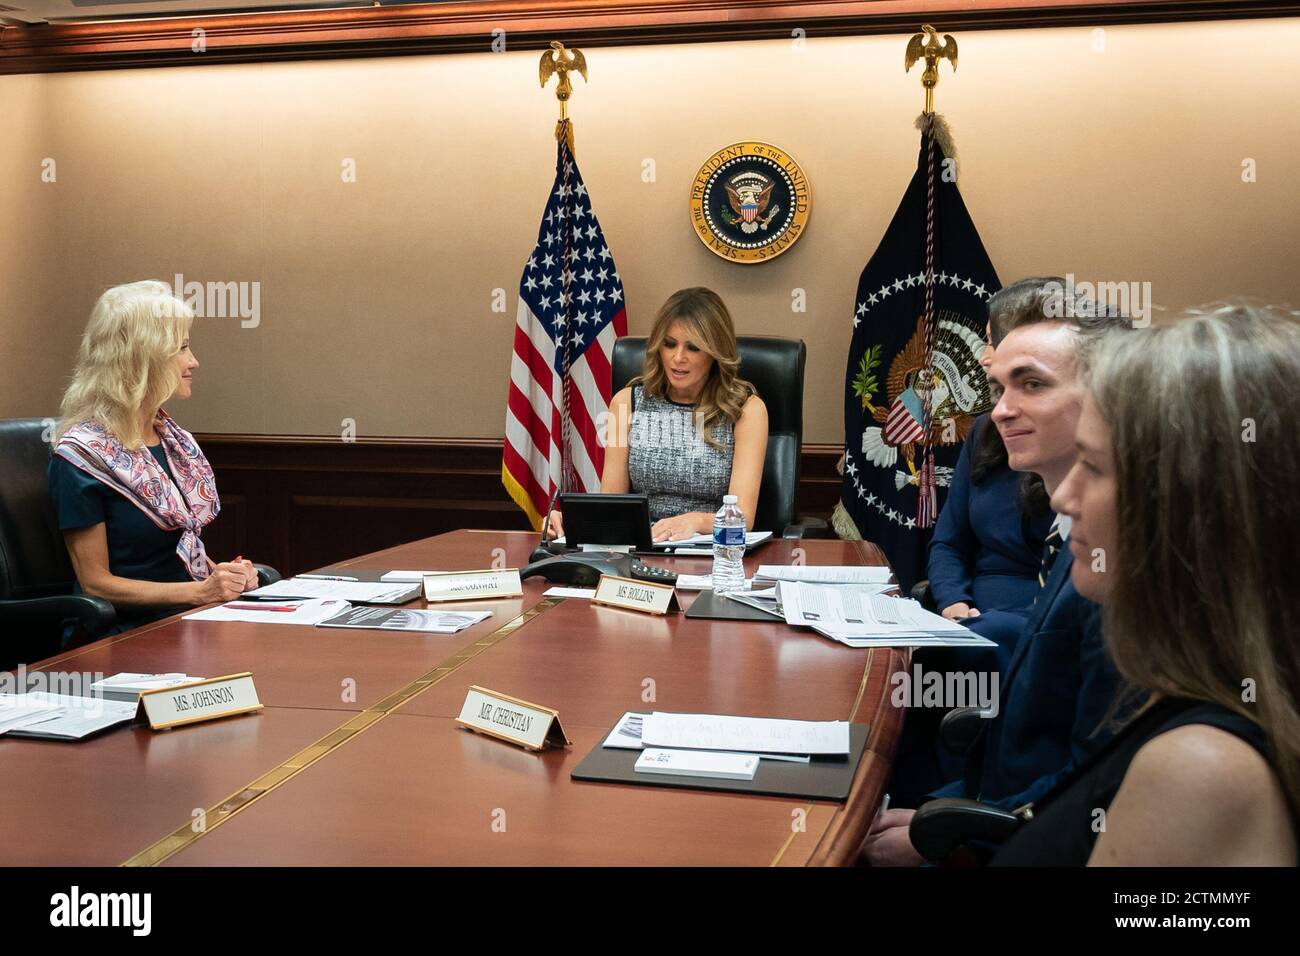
x=750 y=202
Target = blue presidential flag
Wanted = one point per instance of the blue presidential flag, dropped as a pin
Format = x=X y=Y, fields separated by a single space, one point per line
x=914 y=385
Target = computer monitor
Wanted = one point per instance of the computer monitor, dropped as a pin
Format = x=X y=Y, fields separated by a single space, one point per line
x=606 y=519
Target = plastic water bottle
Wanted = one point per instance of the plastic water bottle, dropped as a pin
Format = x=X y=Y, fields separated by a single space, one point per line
x=728 y=547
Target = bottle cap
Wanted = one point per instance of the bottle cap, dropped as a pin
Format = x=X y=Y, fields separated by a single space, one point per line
x=729 y=499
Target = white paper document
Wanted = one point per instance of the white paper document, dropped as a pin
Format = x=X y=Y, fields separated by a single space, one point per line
x=265 y=612
x=705 y=539
x=701 y=543
x=559 y=591
x=128 y=686
x=72 y=718
x=360 y=592
x=698 y=763
x=700 y=582
x=410 y=577
x=745 y=734
x=626 y=735
x=824 y=574
x=403 y=619
x=17 y=710
x=860 y=617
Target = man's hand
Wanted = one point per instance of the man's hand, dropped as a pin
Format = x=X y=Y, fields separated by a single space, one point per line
x=959 y=611
x=887 y=842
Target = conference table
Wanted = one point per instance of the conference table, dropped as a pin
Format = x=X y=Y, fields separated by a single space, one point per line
x=356 y=758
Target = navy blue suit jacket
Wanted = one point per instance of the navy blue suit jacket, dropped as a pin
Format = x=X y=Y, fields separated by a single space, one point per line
x=1054 y=696
x=985 y=552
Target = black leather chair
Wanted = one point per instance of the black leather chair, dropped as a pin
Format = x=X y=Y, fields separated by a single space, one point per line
x=36 y=576
x=775 y=366
x=957 y=829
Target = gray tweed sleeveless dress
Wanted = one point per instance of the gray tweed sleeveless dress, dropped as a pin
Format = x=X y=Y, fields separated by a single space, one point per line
x=669 y=460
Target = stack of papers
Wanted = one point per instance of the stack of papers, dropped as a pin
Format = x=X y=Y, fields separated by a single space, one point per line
x=60 y=717
x=822 y=574
x=396 y=619
x=17 y=710
x=760 y=735
x=710 y=745
x=129 y=687
x=359 y=592
x=701 y=582
x=861 y=617
x=683 y=736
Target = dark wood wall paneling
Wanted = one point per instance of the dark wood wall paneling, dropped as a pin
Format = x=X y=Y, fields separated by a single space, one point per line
x=300 y=503
x=531 y=24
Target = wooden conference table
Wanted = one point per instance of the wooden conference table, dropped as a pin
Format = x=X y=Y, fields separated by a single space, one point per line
x=356 y=759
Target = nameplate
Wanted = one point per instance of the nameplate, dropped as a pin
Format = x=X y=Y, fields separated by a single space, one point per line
x=201 y=700
x=472 y=585
x=635 y=595
x=507 y=718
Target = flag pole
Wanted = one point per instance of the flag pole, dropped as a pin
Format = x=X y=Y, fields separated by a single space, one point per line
x=927 y=45
x=561 y=62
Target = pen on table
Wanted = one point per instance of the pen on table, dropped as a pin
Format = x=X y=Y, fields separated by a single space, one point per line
x=264 y=607
x=326 y=577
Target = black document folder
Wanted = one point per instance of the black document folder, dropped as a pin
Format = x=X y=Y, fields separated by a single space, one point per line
x=822 y=778
x=715 y=607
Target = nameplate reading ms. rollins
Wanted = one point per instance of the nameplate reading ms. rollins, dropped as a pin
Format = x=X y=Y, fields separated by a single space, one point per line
x=635 y=595
x=201 y=700
x=472 y=585
x=531 y=726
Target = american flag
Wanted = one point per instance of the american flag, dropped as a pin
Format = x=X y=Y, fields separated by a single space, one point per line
x=570 y=312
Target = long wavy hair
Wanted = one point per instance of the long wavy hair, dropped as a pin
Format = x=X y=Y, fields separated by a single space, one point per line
x=126 y=364
x=1204 y=414
x=709 y=324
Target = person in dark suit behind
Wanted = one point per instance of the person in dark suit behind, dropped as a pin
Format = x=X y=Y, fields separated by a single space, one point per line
x=1185 y=494
x=1058 y=685
x=983 y=560
x=984 y=556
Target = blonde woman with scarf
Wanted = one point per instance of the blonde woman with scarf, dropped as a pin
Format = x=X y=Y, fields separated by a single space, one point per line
x=132 y=490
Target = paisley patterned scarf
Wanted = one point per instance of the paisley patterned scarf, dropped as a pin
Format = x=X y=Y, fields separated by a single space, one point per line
x=186 y=504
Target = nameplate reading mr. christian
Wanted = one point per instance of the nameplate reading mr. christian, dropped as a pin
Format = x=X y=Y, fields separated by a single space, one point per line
x=531 y=726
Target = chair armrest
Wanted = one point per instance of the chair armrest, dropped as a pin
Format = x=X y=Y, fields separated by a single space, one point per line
x=922 y=595
x=941 y=826
x=266 y=575
x=806 y=527
x=94 y=614
x=959 y=728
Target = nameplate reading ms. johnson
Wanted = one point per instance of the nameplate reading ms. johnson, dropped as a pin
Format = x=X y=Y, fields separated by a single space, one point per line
x=201 y=700
x=507 y=718
x=635 y=595
x=472 y=585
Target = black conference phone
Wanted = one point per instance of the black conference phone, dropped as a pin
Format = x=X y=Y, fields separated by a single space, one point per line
x=598 y=520
x=584 y=568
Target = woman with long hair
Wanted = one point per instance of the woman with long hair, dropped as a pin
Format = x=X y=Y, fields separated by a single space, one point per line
x=688 y=429
x=132 y=490
x=1185 y=502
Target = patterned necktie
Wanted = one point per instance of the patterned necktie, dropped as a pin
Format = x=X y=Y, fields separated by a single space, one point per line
x=1051 y=545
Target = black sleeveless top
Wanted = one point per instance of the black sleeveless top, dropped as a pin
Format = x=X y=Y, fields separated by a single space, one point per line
x=1061 y=831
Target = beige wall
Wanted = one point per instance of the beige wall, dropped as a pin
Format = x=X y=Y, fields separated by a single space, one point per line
x=376 y=296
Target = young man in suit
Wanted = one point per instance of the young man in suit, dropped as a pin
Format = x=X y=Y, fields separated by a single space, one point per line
x=1059 y=683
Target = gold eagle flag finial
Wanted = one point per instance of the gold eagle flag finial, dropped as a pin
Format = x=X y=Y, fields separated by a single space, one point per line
x=926 y=44
x=559 y=60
